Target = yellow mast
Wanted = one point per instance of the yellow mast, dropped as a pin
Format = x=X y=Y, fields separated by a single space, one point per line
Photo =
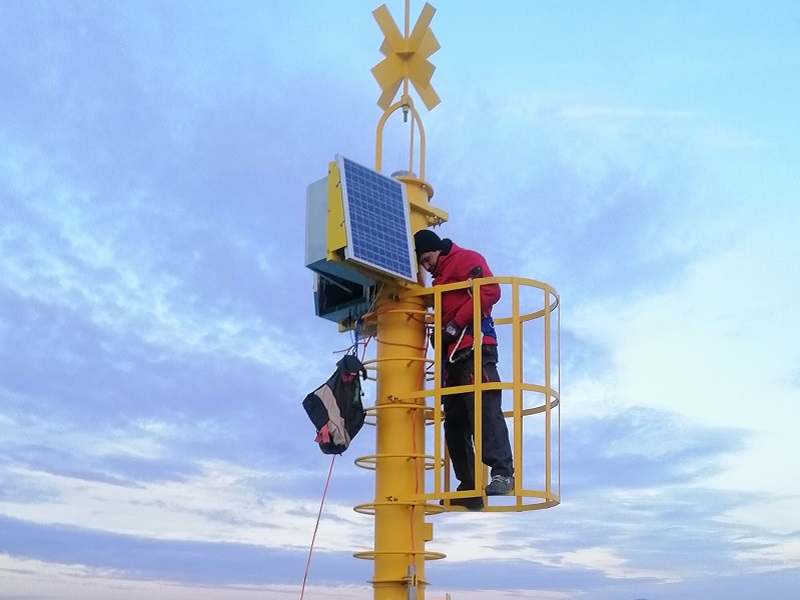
x=400 y=527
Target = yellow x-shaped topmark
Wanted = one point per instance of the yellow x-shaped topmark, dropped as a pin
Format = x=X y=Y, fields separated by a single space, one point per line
x=406 y=57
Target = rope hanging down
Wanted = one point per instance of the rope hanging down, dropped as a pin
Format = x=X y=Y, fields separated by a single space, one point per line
x=316 y=527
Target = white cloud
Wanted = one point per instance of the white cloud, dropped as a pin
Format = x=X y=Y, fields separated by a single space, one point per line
x=27 y=578
x=773 y=556
x=89 y=264
x=715 y=347
x=23 y=577
x=221 y=503
x=513 y=594
x=776 y=517
x=609 y=562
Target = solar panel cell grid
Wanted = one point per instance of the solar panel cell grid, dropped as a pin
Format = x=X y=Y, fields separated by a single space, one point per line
x=376 y=211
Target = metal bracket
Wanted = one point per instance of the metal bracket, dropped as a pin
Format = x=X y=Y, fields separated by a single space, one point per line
x=412 y=582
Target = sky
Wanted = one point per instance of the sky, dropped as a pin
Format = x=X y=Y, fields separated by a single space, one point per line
x=157 y=329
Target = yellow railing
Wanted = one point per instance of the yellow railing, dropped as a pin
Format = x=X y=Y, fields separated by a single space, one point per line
x=533 y=324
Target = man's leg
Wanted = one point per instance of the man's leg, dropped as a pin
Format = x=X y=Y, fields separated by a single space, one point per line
x=458 y=433
x=496 y=444
x=458 y=436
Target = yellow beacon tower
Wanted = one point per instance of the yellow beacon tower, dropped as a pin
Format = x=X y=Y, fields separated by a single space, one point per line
x=359 y=243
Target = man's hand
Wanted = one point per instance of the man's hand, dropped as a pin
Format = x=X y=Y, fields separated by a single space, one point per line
x=450 y=333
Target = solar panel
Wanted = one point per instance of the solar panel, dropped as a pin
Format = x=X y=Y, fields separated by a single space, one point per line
x=377 y=221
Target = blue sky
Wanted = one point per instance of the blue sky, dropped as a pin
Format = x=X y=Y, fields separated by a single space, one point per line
x=157 y=332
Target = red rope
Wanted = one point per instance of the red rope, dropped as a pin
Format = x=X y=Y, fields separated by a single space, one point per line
x=314 y=537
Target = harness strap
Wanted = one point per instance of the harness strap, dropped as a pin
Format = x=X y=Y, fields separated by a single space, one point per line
x=487 y=328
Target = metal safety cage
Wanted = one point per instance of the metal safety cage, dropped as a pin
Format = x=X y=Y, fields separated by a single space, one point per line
x=533 y=325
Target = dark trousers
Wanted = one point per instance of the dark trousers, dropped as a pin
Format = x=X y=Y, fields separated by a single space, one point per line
x=459 y=419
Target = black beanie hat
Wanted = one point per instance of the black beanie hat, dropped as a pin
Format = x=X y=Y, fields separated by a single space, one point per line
x=427 y=241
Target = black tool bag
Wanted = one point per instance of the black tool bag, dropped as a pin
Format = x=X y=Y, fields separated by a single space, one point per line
x=335 y=408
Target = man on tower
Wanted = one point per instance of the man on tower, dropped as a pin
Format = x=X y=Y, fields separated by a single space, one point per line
x=449 y=263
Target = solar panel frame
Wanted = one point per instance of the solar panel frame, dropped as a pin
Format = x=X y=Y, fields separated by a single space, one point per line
x=377 y=220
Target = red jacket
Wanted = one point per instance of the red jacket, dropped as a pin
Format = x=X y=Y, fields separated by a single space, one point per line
x=459 y=264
